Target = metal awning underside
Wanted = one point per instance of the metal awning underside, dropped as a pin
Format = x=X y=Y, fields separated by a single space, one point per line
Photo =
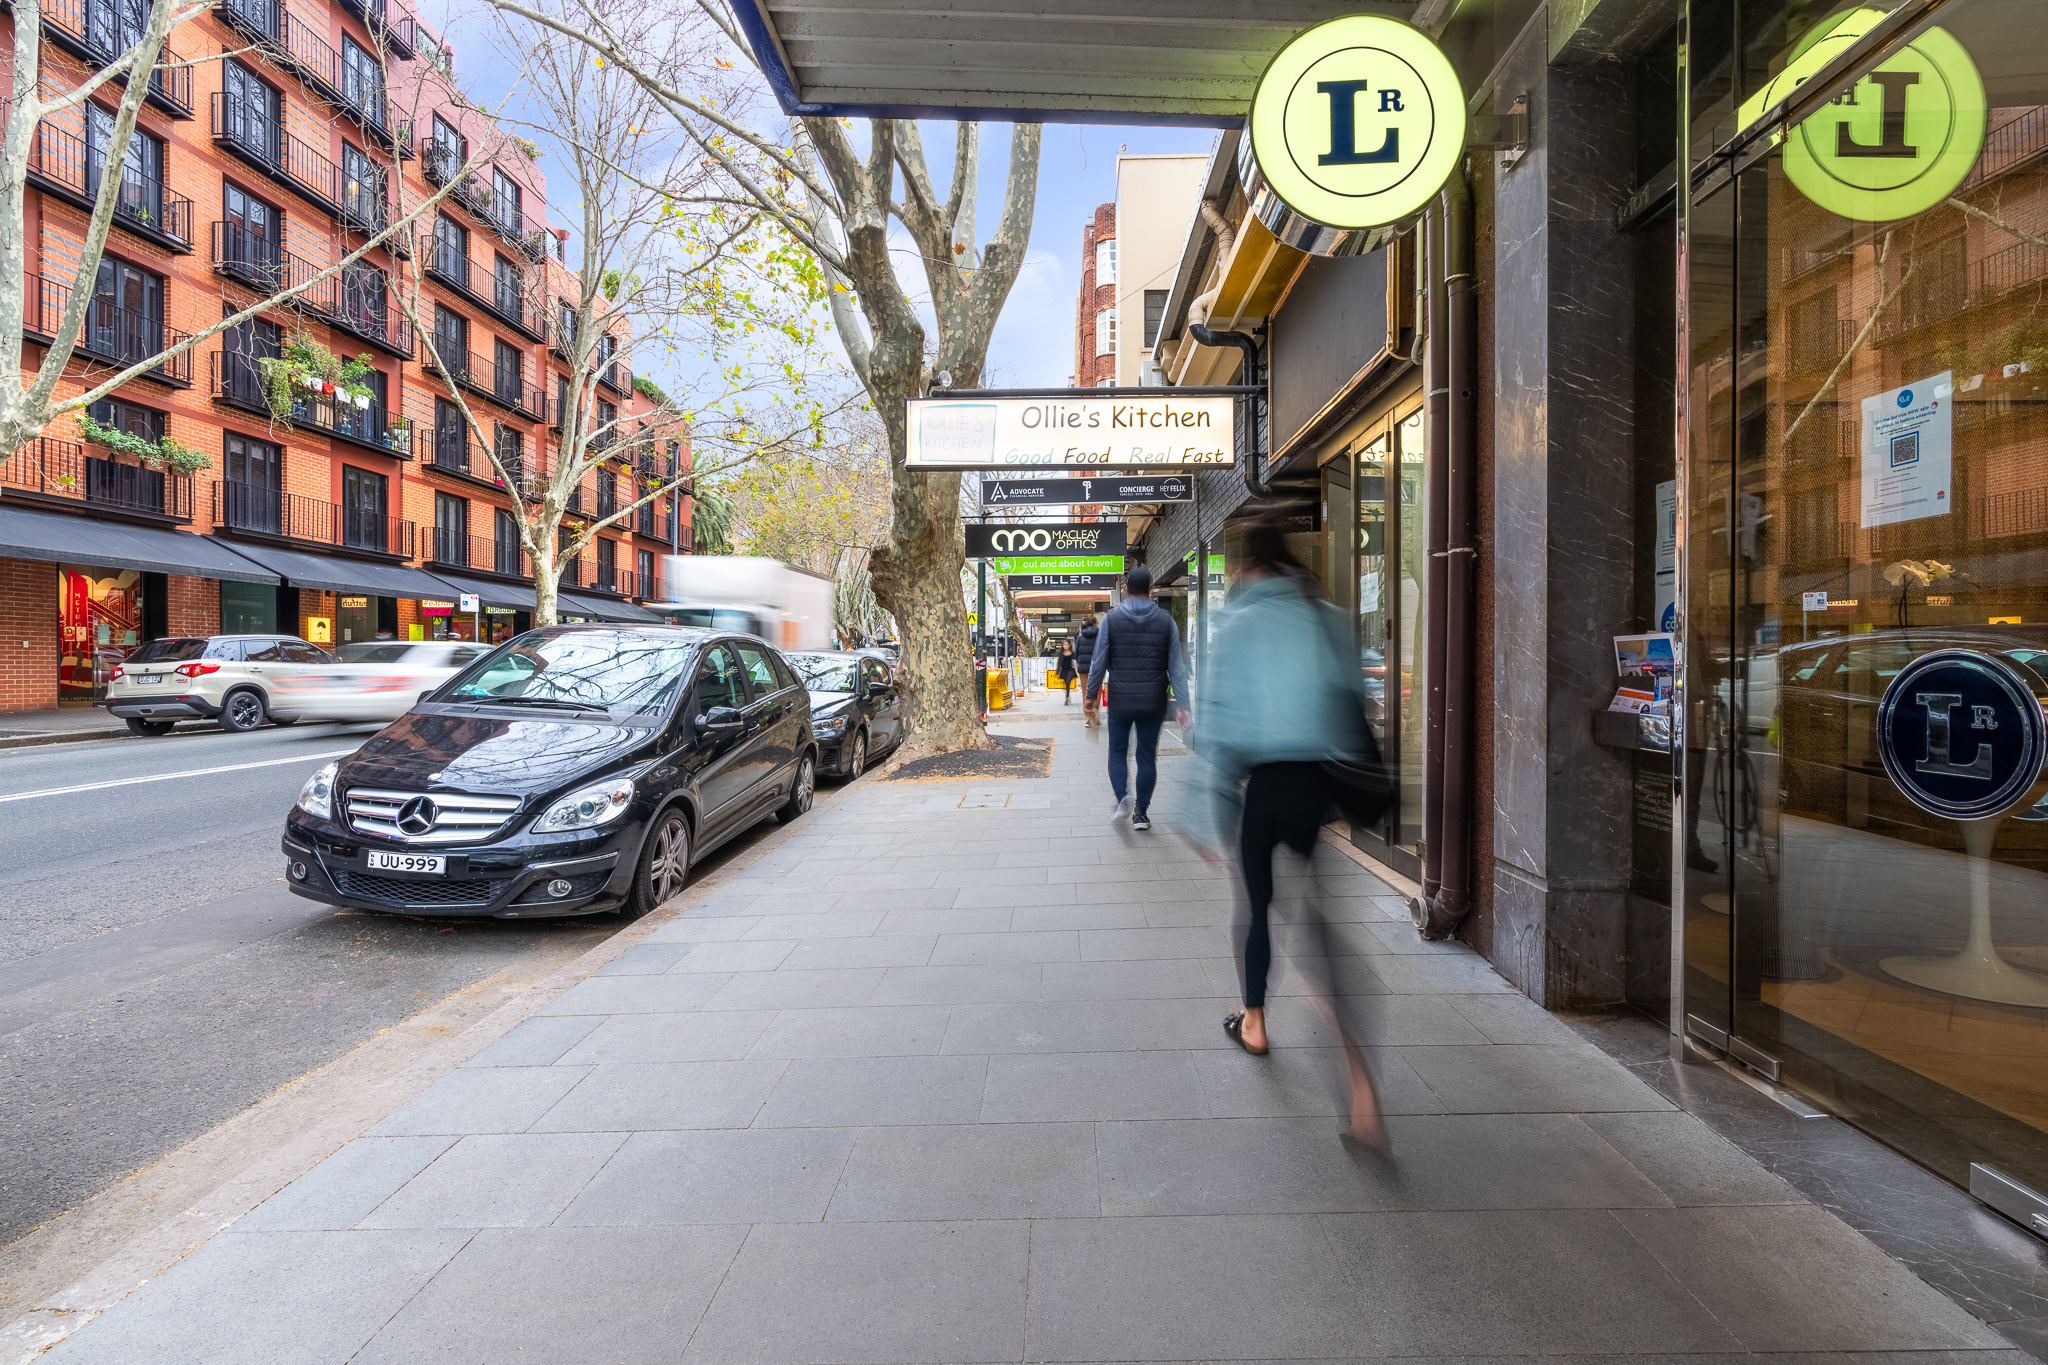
x=1186 y=62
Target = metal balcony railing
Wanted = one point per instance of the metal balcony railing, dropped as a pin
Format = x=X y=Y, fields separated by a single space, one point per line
x=114 y=335
x=237 y=378
x=262 y=142
x=354 y=299
x=356 y=91
x=442 y=163
x=506 y=299
x=268 y=511
x=388 y=22
x=66 y=165
x=101 y=30
x=63 y=469
x=459 y=550
x=617 y=378
x=504 y=387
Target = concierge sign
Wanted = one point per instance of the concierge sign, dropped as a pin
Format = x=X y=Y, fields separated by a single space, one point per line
x=1358 y=122
x=1113 y=432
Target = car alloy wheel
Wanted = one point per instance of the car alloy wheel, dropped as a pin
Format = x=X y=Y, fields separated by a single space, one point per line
x=800 y=794
x=671 y=863
x=243 y=711
x=858 y=763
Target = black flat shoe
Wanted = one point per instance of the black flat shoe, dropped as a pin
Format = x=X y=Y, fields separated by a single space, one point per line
x=1233 y=1024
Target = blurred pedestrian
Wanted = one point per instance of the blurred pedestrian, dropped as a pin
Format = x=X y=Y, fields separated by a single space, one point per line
x=1138 y=651
x=1084 y=661
x=1066 y=672
x=1283 y=729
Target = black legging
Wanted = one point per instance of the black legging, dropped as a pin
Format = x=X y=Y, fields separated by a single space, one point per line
x=1284 y=803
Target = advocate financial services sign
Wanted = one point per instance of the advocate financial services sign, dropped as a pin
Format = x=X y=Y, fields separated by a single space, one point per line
x=1358 y=121
x=1123 y=431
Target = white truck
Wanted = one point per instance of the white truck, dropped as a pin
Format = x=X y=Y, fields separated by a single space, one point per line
x=788 y=607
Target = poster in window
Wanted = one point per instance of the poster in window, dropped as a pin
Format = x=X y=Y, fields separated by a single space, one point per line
x=1906 y=437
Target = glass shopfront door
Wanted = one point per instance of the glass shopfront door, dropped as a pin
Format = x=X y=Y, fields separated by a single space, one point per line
x=1865 y=889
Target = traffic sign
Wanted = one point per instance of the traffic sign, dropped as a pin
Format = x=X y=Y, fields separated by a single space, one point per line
x=1065 y=492
x=472 y=602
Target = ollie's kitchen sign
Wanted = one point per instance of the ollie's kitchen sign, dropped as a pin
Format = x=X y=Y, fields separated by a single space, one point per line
x=1006 y=432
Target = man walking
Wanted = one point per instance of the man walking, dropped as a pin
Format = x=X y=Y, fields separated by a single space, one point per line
x=1138 y=650
x=1084 y=659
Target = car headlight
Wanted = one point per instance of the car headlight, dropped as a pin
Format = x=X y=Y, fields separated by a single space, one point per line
x=832 y=725
x=317 y=796
x=590 y=808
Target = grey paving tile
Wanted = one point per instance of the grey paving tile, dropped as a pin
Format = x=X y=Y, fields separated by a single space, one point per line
x=1181 y=979
x=1011 y=888
x=909 y=900
x=638 y=1096
x=871 y=1294
x=1795 y=1278
x=1221 y=1288
x=755 y=1175
x=723 y=1035
x=536 y=1042
x=987 y=1170
x=491 y=1100
x=1423 y=975
x=1505 y=1161
x=625 y=1295
x=1133 y=945
x=772 y=901
x=513 y=1180
x=876 y=950
x=797 y=990
x=257 y=1298
x=1548 y=1282
x=981 y=1027
x=1689 y=1161
x=1007 y=981
x=338 y=1192
x=1512 y=1018
x=646 y=959
x=1219 y=1166
x=746 y=955
x=1403 y=938
x=696 y=927
x=1012 y=946
x=1219 y=912
x=1307 y=1080
x=877 y=1031
x=1152 y=892
x=841 y=924
x=854 y=1092
x=1052 y=1087
x=1050 y=918
x=945 y=920
x=1530 y=1078
x=669 y=993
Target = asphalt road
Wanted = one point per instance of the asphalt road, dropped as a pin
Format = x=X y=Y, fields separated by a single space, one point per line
x=156 y=978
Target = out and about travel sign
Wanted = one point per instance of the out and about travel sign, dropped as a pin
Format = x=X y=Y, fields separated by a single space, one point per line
x=1110 y=564
x=1120 y=432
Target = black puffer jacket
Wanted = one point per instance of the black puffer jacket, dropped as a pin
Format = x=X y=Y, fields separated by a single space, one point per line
x=1084 y=649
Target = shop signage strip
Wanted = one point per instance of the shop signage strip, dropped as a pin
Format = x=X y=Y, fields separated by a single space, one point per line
x=1067 y=538
x=1061 y=582
x=1066 y=492
x=1163 y=428
x=1109 y=564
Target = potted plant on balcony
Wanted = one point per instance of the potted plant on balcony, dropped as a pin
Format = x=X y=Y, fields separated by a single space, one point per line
x=167 y=452
x=307 y=367
x=398 y=433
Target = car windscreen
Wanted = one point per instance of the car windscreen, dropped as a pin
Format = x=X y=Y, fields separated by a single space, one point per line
x=380 y=652
x=168 y=651
x=715 y=618
x=825 y=672
x=622 y=672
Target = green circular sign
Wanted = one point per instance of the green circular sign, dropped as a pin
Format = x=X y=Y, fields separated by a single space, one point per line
x=1358 y=121
x=1900 y=141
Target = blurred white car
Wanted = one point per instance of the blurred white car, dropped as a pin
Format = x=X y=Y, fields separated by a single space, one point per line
x=375 y=679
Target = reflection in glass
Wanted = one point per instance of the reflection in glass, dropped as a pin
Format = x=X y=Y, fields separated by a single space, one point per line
x=1413 y=645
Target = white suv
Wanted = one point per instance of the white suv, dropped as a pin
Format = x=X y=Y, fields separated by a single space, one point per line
x=228 y=678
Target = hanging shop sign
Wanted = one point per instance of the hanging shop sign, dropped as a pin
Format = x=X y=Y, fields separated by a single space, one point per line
x=1062 y=582
x=1358 y=121
x=1079 y=433
x=1071 y=538
x=1109 y=564
x=1901 y=139
x=1961 y=733
x=1065 y=492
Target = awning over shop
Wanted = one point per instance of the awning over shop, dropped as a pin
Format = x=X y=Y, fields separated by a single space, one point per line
x=329 y=573
x=513 y=595
x=606 y=610
x=114 y=545
x=1192 y=63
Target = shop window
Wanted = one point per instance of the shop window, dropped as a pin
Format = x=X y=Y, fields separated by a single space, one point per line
x=1155 y=313
x=1105 y=332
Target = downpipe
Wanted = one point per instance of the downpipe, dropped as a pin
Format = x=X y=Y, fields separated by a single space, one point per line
x=1436 y=384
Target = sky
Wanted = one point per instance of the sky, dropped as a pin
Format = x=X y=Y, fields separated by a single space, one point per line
x=1033 y=345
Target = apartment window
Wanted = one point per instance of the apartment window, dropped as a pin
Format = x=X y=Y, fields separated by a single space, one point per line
x=364 y=498
x=250 y=232
x=432 y=53
x=364 y=297
x=132 y=418
x=507 y=554
x=252 y=487
x=607 y=492
x=1155 y=313
x=253 y=112
x=511 y=445
x=564 y=537
x=451 y=339
x=646 y=563
x=451 y=529
x=126 y=322
x=505 y=276
x=362 y=188
x=1105 y=332
x=604 y=431
x=510 y=371
x=1105 y=263
x=505 y=200
x=451 y=439
x=142 y=169
x=362 y=81
x=565 y=326
x=451 y=249
x=450 y=148
x=561 y=414
x=608 y=564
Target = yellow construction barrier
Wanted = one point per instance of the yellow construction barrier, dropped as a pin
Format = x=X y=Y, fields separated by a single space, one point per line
x=998 y=690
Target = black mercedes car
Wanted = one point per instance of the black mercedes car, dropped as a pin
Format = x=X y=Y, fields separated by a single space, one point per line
x=572 y=770
x=855 y=712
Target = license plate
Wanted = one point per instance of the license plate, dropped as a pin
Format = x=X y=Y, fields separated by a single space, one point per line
x=150 y=679
x=432 y=864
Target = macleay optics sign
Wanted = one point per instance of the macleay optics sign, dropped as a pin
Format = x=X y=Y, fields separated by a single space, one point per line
x=1070 y=538
x=1168 y=431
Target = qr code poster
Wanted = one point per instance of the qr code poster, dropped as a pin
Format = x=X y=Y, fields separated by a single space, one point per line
x=1905 y=451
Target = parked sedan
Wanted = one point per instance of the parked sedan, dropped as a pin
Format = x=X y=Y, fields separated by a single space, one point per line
x=856 y=715
x=375 y=680
x=575 y=769
x=233 y=679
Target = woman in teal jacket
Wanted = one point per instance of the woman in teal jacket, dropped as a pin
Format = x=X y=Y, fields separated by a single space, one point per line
x=1281 y=694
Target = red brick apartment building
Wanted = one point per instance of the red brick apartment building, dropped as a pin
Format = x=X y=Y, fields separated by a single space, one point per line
x=1095 y=310
x=352 y=521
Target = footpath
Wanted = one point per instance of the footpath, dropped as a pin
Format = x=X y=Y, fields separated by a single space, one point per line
x=942 y=1078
